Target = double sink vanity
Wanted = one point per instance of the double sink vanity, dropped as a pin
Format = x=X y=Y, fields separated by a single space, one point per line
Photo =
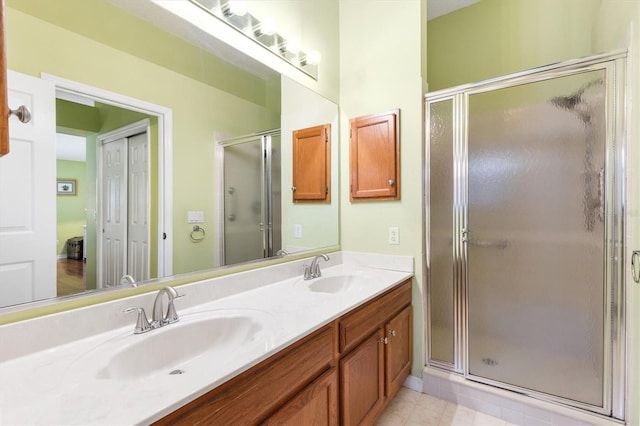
x=261 y=346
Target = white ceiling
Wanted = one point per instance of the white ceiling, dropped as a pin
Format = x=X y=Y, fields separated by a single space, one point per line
x=73 y=148
x=437 y=8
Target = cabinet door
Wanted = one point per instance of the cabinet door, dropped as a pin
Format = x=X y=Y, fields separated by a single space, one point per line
x=317 y=404
x=312 y=164
x=362 y=381
x=374 y=159
x=397 y=351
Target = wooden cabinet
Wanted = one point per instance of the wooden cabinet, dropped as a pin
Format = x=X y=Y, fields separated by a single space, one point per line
x=312 y=164
x=373 y=370
x=362 y=381
x=315 y=405
x=398 y=348
x=345 y=373
x=254 y=395
x=374 y=157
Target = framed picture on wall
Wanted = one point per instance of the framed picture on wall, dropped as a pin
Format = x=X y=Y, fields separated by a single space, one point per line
x=66 y=187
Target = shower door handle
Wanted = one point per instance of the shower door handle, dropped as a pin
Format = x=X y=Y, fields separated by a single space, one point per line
x=635 y=265
x=231 y=216
x=465 y=235
x=601 y=200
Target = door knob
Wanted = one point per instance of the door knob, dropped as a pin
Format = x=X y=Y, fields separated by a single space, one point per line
x=22 y=113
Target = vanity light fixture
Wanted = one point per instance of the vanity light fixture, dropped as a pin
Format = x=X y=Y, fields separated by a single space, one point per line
x=235 y=14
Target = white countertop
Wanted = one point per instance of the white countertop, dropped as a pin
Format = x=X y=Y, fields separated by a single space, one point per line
x=61 y=384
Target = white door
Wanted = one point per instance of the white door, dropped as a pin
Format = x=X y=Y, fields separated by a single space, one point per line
x=138 y=212
x=114 y=212
x=125 y=208
x=27 y=186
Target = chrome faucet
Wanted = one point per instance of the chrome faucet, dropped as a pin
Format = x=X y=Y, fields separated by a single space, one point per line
x=159 y=318
x=128 y=280
x=170 y=316
x=313 y=270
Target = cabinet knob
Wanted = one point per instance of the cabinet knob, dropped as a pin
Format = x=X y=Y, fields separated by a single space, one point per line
x=384 y=340
x=392 y=333
x=293 y=188
x=391 y=182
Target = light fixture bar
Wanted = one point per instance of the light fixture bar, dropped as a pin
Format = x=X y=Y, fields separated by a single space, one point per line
x=235 y=14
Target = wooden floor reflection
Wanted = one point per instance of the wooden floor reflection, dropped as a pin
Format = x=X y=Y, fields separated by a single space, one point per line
x=70 y=276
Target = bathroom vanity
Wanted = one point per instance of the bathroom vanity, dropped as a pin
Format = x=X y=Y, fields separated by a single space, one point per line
x=347 y=370
x=261 y=346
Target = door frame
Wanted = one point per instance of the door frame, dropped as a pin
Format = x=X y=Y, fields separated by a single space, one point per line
x=165 y=155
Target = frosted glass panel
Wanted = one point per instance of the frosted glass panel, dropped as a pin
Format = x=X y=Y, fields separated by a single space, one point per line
x=441 y=229
x=243 y=211
x=536 y=254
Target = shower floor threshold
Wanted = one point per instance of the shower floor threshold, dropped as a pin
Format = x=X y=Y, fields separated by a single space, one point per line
x=504 y=404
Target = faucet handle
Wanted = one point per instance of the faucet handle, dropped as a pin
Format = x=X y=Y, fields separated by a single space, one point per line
x=172 y=315
x=308 y=274
x=142 y=324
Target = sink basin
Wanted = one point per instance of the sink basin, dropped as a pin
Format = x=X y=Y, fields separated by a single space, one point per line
x=171 y=349
x=337 y=284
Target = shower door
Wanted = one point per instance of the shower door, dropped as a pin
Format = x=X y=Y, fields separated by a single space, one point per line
x=252 y=198
x=524 y=207
x=535 y=236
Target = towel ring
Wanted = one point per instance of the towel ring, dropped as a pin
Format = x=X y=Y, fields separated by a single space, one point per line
x=195 y=234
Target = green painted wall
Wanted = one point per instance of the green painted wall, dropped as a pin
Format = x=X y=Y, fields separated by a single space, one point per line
x=70 y=209
x=106 y=24
x=379 y=73
x=496 y=37
x=199 y=107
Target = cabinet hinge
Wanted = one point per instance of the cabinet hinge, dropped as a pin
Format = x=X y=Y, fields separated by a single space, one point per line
x=326 y=189
x=326 y=137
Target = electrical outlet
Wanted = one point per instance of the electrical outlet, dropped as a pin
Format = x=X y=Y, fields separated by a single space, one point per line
x=394 y=235
x=297 y=230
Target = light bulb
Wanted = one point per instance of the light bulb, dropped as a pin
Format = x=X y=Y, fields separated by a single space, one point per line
x=293 y=45
x=313 y=57
x=268 y=27
x=237 y=7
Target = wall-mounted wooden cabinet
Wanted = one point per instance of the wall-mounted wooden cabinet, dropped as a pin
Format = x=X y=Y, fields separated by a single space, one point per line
x=312 y=164
x=374 y=157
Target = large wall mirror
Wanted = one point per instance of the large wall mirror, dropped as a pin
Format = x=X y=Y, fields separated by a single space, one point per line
x=175 y=104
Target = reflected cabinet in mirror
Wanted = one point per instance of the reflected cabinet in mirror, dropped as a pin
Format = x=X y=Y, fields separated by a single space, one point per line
x=140 y=120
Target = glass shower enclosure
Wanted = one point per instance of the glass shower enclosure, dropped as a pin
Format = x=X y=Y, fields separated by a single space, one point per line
x=524 y=232
x=252 y=197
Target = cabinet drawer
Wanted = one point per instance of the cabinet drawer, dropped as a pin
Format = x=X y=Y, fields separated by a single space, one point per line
x=256 y=393
x=355 y=327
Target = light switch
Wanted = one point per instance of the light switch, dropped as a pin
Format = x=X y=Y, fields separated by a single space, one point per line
x=195 y=217
x=394 y=235
x=297 y=230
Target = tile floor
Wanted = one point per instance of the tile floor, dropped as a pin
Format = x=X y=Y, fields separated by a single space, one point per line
x=411 y=408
